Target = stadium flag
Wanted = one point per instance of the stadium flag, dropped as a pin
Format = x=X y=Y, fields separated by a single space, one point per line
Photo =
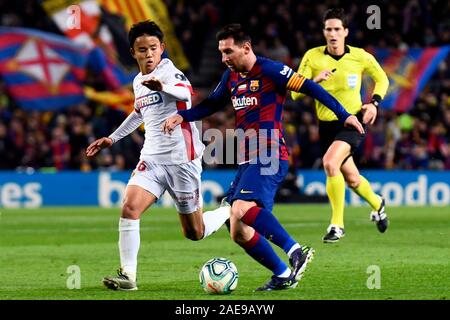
x=112 y=73
x=42 y=70
x=139 y=10
x=78 y=20
x=81 y=21
x=122 y=100
x=118 y=27
x=408 y=71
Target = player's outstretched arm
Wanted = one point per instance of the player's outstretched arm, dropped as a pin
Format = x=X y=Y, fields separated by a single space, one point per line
x=315 y=91
x=98 y=145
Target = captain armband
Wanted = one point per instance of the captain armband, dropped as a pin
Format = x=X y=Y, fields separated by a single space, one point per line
x=295 y=82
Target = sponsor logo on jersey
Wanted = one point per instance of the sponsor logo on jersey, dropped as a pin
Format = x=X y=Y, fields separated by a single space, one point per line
x=286 y=71
x=242 y=87
x=148 y=100
x=242 y=102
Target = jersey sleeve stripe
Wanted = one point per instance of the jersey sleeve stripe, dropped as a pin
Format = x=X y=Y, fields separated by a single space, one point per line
x=295 y=82
x=185 y=86
x=187 y=134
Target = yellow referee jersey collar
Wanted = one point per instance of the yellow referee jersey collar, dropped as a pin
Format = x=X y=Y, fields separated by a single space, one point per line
x=346 y=50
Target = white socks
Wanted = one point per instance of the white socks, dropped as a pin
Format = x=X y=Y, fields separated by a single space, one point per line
x=129 y=237
x=285 y=274
x=129 y=242
x=214 y=219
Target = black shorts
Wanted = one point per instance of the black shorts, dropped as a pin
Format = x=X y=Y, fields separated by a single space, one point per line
x=331 y=131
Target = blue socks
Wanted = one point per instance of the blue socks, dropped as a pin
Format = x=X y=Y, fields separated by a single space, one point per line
x=261 y=250
x=266 y=224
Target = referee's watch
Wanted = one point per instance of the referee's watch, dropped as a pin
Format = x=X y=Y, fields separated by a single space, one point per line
x=376 y=100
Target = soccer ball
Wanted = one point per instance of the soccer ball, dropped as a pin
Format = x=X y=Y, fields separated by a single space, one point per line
x=219 y=276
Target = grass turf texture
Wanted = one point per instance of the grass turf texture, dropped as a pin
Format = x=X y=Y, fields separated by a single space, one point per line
x=38 y=245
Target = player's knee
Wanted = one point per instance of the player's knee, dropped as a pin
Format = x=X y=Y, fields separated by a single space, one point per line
x=240 y=208
x=193 y=234
x=130 y=211
x=235 y=212
x=331 y=167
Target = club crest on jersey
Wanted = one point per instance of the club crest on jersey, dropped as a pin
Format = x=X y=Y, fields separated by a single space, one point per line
x=254 y=85
x=148 y=100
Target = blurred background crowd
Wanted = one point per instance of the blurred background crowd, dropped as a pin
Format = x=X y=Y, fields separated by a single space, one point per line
x=282 y=30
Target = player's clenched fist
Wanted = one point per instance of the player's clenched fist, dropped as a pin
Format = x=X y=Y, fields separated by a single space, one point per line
x=171 y=123
x=98 y=145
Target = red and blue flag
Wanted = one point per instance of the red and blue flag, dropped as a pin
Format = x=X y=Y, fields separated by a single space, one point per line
x=41 y=70
x=408 y=71
x=114 y=75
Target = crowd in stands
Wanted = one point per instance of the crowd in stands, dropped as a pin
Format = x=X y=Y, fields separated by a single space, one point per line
x=282 y=30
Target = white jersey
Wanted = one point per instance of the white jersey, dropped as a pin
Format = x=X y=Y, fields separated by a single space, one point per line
x=184 y=144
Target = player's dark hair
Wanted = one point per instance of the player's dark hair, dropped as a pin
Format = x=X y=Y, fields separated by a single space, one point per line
x=335 y=13
x=144 y=27
x=235 y=31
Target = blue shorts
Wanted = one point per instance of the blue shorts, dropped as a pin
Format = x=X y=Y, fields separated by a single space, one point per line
x=250 y=185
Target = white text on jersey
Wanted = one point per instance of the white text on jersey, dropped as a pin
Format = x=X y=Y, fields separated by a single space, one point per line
x=148 y=100
x=242 y=102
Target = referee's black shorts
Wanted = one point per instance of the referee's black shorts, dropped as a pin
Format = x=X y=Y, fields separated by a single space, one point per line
x=330 y=131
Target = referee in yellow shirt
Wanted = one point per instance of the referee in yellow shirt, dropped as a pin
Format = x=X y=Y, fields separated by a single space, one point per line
x=338 y=68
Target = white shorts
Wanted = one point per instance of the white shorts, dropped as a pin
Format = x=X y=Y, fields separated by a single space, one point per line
x=182 y=181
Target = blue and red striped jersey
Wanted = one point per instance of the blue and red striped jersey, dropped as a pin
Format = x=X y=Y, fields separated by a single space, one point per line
x=258 y=98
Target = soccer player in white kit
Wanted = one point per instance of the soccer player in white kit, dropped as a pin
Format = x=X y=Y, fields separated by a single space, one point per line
x=171 y=163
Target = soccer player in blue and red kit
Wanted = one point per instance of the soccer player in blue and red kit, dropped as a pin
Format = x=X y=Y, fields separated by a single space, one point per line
x=257 y=88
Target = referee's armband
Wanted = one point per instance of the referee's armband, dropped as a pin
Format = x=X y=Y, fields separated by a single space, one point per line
x=295 y=82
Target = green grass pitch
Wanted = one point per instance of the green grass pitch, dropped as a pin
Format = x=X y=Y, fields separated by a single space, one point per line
x=37 y=246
